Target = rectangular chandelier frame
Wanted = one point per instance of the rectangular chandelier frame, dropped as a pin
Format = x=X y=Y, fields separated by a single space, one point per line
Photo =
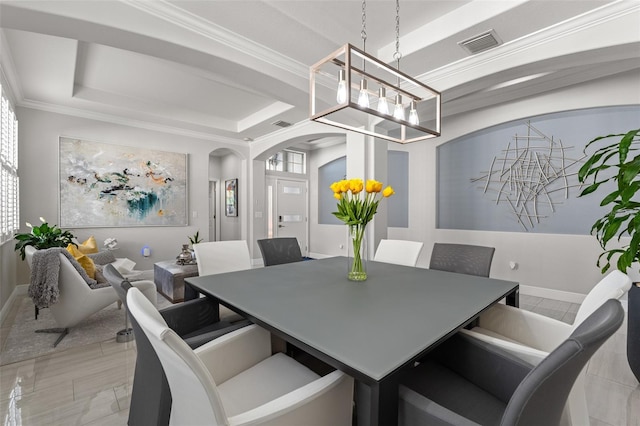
x=426 y=100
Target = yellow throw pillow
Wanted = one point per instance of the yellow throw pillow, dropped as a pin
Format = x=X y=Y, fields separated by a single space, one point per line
x=84 y=261
x=89 y=246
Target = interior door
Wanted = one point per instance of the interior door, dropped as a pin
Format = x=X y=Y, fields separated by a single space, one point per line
x=291 y=211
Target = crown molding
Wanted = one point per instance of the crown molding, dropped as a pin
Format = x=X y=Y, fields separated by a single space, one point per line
x=177 y=16
x=112 y=119
x=566 y=28
x=8 y=72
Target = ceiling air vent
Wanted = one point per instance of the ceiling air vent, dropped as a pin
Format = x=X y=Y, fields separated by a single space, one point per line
x=281 y=123
x=481 y=42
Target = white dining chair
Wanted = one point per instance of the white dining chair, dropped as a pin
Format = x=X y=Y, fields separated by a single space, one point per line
x=218 y=257
x=531 y=336
x=236 y=380
x=399 y=252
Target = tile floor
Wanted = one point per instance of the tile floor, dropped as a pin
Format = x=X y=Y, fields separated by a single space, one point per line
x=90 y=385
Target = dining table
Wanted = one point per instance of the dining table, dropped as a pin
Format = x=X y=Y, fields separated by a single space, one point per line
x=374 y=330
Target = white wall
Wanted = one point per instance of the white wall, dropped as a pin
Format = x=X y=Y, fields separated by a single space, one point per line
x=38 y=168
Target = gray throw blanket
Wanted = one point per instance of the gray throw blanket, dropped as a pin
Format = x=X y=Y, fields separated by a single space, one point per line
x=45 y=268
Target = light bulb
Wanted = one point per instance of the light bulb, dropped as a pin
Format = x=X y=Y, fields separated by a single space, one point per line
x=341 y=95
x=383 y=105
x=413 y=114
x=398 y=112
x=363 y=99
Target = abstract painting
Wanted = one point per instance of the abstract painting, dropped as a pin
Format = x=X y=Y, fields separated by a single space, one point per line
x=104 y=185
x=231 y=197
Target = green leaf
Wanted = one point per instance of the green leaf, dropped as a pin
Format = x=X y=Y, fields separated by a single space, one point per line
x=630 y=170
x=591 y=188
x=612 y=228
x=625 y=143
x=609 y=198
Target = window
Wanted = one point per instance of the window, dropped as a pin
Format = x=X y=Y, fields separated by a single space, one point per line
x=287 y=161
x=9 y=214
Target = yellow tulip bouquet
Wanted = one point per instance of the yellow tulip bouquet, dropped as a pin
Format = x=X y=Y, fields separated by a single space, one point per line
x=357 y=204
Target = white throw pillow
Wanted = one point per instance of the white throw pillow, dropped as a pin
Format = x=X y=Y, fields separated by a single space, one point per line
x=124 y=265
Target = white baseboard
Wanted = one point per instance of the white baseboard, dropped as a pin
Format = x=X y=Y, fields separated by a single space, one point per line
x=549 y=293
x=565 y=296
x=17 y=291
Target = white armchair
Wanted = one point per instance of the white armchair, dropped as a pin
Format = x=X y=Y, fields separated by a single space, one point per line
x=235 y=380
x=77 y=300
x=531 y=336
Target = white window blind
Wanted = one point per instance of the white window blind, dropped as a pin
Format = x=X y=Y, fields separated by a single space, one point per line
x=9 y=183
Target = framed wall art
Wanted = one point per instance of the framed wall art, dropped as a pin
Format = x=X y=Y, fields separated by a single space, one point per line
x=104 y=185
x=231 y=197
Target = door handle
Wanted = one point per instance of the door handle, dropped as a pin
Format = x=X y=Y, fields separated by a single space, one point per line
x=280 y=226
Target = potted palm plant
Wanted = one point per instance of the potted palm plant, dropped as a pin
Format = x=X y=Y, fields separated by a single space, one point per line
x=619 y=162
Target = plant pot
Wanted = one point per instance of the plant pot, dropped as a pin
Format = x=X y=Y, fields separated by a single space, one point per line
x=633 y=330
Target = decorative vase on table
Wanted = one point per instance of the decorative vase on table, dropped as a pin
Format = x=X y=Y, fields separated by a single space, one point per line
x=357 y=253
x=357 y=205
x=184 y=258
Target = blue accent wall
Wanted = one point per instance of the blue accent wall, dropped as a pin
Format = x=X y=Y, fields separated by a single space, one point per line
x=398 y=173
x=327 y=174
x=464 y=204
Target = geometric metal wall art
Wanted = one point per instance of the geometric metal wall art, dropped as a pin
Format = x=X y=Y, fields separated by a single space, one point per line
x=532 y=176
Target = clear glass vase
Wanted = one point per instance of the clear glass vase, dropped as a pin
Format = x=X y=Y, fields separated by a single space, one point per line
x=357 y=253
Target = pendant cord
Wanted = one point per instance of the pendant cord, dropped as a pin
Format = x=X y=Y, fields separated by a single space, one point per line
x=363 y=32
x=397 y=55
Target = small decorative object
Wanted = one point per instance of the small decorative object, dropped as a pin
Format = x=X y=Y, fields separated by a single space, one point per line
x=231 y=197
x=184 y=258
x=619 y=164
x=357 y=204
x=110 y=243
x=195 y=239
x=43 y=237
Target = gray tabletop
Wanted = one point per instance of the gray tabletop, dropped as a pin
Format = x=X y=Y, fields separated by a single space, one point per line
x=372 y=328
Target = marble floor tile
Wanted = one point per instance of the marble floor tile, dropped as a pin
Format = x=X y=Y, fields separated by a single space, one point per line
x=568 y=317
x=549 y=312
x=611 y=402
x=556 y=305
x=17 y=379
x=529 y=300
x=612 y=365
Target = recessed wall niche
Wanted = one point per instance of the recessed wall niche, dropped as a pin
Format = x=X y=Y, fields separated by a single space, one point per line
x=521 y=176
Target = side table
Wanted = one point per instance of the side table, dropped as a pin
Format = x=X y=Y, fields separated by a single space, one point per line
x=169 y=278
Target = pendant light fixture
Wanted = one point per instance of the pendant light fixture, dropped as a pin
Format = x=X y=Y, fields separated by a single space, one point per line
x=362 y=77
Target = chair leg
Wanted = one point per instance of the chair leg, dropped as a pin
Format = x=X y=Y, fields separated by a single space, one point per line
x=63 y=332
